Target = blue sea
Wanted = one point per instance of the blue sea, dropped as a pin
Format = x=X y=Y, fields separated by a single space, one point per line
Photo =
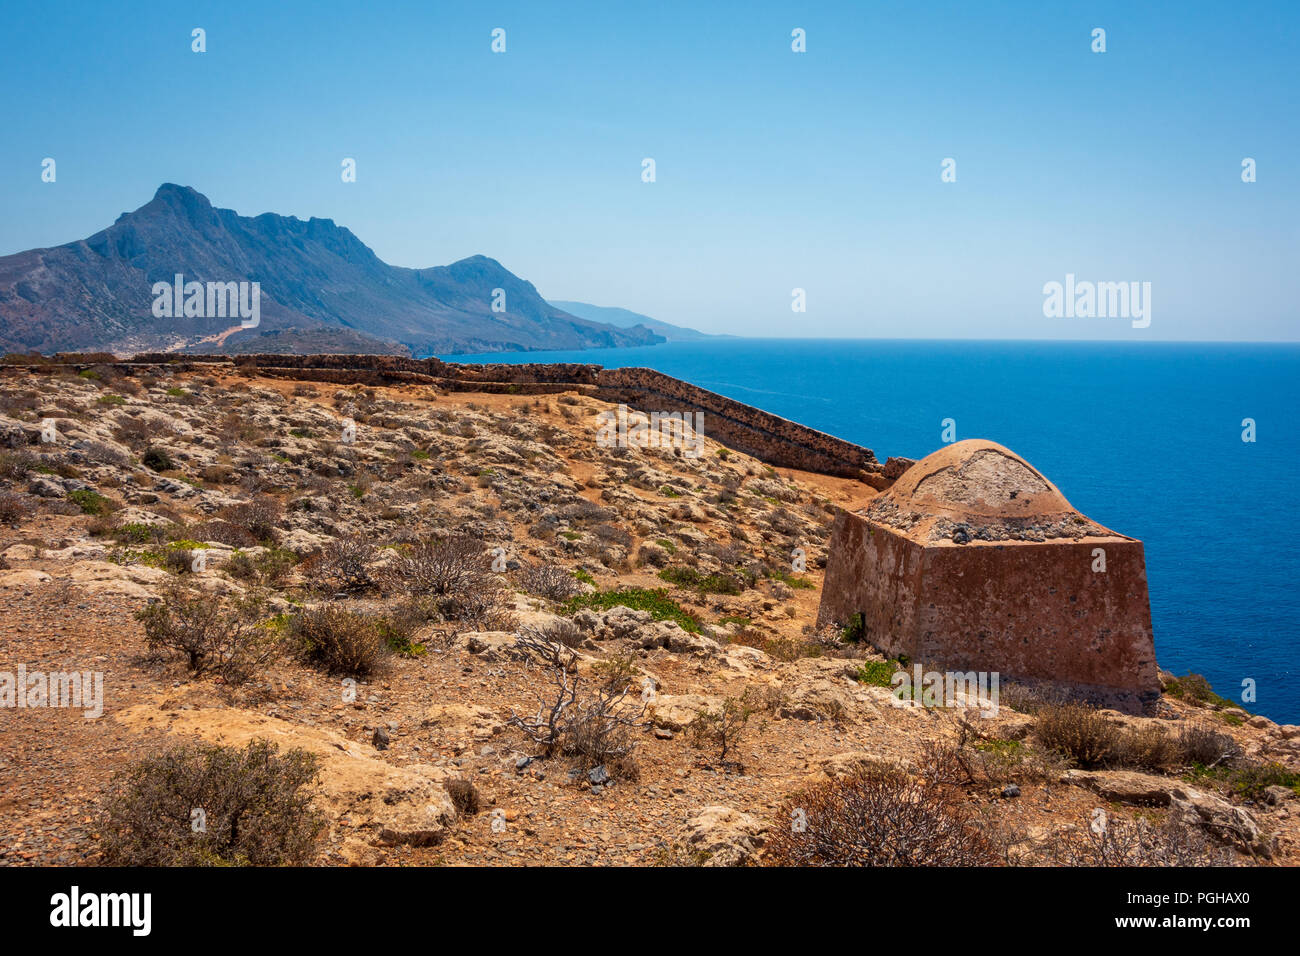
x=1144 y=438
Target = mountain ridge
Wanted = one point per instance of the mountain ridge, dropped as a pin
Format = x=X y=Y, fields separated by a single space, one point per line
x=626 y=318
x=317 y=280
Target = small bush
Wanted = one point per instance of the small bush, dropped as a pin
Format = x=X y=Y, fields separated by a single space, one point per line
x=878 y=673
x=855 y=630
x=90 y=502
x=1249 y=779
x=548 y=581
x=1149 y=749
x=214 y=638
x=1078 y=732
x=721 y=729
x=439 y=566
x=464 y=796
x=209 y=805
x=259 y=517
x=224 y=532
x=340 y=641
x=344 y=563
x=156 y=459
x=592 y=729
x=1195 y=689
x=17 y=465
x=1202 y=745
x=1118 y=842
x=877 y=816
x=704 y=583
x=14 y=508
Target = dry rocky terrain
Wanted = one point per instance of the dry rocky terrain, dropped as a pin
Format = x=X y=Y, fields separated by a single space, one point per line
x=302 y=495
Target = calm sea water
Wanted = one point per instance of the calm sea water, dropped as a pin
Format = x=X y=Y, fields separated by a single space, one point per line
x=1146 y=439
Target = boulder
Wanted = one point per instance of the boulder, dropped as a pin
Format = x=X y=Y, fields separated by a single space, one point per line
x=726 y=837
x=676 y=712
x=401 y=804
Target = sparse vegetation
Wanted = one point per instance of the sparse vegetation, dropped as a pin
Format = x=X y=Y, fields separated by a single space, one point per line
x=653 y=601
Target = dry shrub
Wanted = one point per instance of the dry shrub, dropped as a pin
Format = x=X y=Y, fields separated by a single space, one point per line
x=592 y=729
x=464 y=796
x=1078 y=732
x=878 y=816
x=340 y=641
x=1091 y=740
x=260 y=517
x=17 y=465
x=14 y=508
x=1119 y=842
x=227 y=640
x=208 y=805
x=223 y=532
x=563 y=631
x=1148 y=748
x=1202 y=745
x=344 y=564
x=455 y=573
x=549 y=581
x=439 y=566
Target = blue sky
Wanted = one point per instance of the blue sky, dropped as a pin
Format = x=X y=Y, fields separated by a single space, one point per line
x=775 y=170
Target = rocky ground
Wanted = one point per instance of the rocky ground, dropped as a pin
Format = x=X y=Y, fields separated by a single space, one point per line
x=111 y=486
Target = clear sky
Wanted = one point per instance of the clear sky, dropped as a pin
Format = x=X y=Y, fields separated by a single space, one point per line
x=775 y=169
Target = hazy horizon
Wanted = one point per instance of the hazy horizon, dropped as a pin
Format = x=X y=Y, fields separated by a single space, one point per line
x=775 y=170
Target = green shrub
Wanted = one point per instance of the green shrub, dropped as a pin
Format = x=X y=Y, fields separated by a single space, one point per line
x=704 y=583
x=855 y=630
x=90 y=502
x=1195 y=689
x=156 y=459
x=878 y=673
x=654 y=601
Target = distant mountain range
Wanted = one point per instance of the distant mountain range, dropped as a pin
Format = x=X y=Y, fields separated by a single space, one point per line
x=625 y=319
x=321 y=290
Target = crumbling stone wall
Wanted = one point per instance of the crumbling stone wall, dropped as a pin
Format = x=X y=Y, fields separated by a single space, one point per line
x=768 y=437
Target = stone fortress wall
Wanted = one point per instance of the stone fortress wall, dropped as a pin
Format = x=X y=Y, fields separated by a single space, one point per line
x=769 y=438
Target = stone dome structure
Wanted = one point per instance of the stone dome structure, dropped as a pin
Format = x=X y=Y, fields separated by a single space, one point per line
x=973 y=559
x=978 y=489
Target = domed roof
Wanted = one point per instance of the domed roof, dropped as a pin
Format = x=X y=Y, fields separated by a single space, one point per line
x=978 y=477
x=978 y=489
